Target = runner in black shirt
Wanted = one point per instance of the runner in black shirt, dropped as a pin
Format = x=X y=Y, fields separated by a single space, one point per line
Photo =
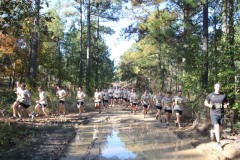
x=217 y=101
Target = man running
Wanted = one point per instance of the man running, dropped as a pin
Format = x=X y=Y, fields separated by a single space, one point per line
x=217 y=101
x=80 y=100
x=61 y=94
x=24 y=101
x=110 y=93
x=167 y=104
x=98 y=100
x=17 y=102
x=42 y=102
x=145 y=100
x=135 y=101
x=157 y=99
x=105 y=98
x=178 y=103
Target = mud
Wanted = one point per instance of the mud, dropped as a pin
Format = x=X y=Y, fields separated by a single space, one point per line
x=117 y=134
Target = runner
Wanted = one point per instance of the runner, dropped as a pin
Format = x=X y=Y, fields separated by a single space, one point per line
x=125 y=97
x=24 y=101
x=61 y=94
x=145 y=100
x=17 y=102
x=167 y=104
x=116 y=96
x=135 y=101
x=98 y=100
x=110 y=93
x=217 y=101
x=120 y=93
x=41 y=103
x=80 y=100
x=157 y=99
x=130 y=99
x=105 y=98
x=178 y=103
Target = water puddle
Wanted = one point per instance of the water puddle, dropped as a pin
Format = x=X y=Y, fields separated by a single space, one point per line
x=128 y=141
x=116 y=148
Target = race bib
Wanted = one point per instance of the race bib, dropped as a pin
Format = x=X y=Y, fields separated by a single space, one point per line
x=218 y=105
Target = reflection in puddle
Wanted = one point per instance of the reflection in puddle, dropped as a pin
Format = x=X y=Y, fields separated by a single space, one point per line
x=116 y=148
x=128 y=141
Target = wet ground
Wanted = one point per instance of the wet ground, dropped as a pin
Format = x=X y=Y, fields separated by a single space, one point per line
x=120 y=135
x=117 y=134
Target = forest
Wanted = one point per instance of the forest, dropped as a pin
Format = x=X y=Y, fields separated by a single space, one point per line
x=183 y=45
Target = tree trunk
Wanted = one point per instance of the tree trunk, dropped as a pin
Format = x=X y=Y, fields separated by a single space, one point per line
x=232 y=54
x=224 y=17
x=97 y=54
x=81 y=46
x=33 y=64
x=60 y=61
x=88 y=47
x=205 y=45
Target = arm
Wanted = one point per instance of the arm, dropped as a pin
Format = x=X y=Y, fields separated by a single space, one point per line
x=173 y=102
x=225 y=105
x=207 y=103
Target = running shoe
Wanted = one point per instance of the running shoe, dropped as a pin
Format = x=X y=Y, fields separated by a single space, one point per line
x=13 y=117
x=19 y=119
x=219 y=147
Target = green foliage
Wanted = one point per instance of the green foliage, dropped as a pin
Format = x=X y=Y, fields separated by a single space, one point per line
x=18 y=134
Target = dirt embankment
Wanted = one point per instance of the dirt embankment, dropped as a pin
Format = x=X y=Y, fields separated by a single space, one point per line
x=200 y=139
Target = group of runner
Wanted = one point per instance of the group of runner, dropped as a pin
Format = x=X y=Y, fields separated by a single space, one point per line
x=23 y=102
x=121 y=96
x=113 y=96
x=216 y=101
x=128 y=98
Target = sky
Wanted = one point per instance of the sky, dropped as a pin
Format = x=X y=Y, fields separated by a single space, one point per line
x=115 y=42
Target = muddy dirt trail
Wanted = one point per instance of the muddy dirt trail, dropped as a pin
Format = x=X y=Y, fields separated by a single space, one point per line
x=117 y=134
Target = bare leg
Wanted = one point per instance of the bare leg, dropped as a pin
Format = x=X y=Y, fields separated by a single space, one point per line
x=45 y=111
x=14 y=107
x=178 y=119
x=37 y=108
x=217 y=132
x=167 y=117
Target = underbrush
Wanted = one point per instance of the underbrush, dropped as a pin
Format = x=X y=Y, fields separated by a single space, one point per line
x=13 y=134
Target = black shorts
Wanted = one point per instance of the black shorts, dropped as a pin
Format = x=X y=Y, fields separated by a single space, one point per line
x=99 y=102
x=110 y=97
x=24 y=105
x=217 y=119
x=145 y=105
x=135 y=104
x=42 y=105
x=80 y=103
x=159 y=107
x=61 y=101
x=178 y=111
x=167 y=111
x=105 y=101
x=125 y=99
